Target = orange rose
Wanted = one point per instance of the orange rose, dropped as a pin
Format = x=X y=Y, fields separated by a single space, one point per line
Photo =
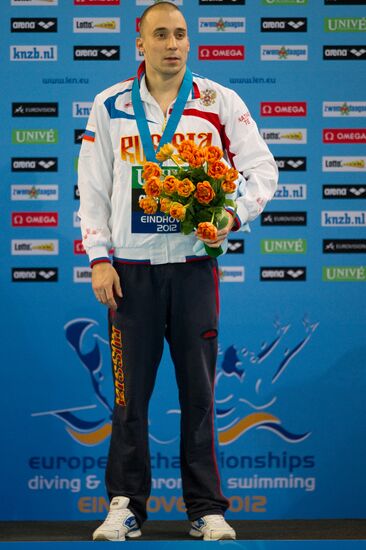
x=148 y=204
x=187 y=147
x=165 y=205
x=165 y=152
x=231 y=174
x=196 y=159
x=213 y=153
x=217 y=169
x=170 y=184
x=151 y=169
x=228 y=186
x=153 y=186
x=204 y=192
x=177 y=211
x=207 y=230
x=185 y=187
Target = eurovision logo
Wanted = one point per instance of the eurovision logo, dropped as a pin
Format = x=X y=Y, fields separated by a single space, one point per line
x=344 y=108
x=96 y=53
x=284 y=24
x=344 y=164
x=344 y=53
x=34 y=164
x=221 y=24
x=27 y=192
x=284 y=274
x=96 y=24
x=78 y=136
x=344 y=246
x=283 y=218
x=344 y=135
x=343 y=191
x=293 y=52
x=33 y=24
x=290 y=136
x=283 y=108
x=33 y=53
x=34 y=274
x=40 y=109
x=221 y=53
x=291 y=191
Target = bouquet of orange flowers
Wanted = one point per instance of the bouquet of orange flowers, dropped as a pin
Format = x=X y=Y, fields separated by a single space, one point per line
x=196 y=195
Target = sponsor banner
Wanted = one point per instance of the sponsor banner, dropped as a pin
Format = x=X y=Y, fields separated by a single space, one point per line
x=151 y=2
x=34 y=164
x=283 y=246
x=344 y=135
x=283 y=218
x=345 y=24
x=284 y=24
x=75 y=219
x=291 y=136
x=344 y=246
x=222 y=2
x=345 y=218
x=81 y=109
x=284 y=2
x=34 y=109
x=344 y=53
x=345 y=2
x=82 y=274
x=221 y=24
x=96 y=24
x=344 y=108
x=293 y=52
x=34 y=274
x=96 y=53
x=350 y=191
x=291 y=164
x=34 y=136
x=223 y=53
x=344 y=164
x=34 y=219
x=78 y=136
x=232 y=274
x=283 y=108
x=235 y=246
x=76 y=192
x=34 y=247
x=78 y=247
x=33 y=24
x=96 y=2
x=34 y=192
x=290 y=191
x=33 y=53
x=344 y=273
x=47 y=3
x=283 y=273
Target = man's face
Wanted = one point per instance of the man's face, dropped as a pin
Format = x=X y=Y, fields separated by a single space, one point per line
x=164 y=41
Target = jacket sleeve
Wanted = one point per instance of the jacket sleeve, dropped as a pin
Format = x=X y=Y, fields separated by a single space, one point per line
x=249 y=154
x=95 y=182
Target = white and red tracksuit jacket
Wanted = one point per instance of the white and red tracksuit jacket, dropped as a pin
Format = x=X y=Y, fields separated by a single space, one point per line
x=111 y=156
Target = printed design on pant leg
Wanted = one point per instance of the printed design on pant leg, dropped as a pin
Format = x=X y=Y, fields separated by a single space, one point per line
x=209 y=334
x=118 y=371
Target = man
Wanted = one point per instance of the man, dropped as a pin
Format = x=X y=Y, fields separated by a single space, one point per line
x=157 y=288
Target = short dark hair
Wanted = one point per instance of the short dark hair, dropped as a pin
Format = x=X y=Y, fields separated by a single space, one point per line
x=150 y=8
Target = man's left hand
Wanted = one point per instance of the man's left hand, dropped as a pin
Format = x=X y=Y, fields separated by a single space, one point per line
x=221 y=234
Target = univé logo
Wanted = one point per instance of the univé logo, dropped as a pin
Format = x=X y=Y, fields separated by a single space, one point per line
x=225 y=53
x=242 y=404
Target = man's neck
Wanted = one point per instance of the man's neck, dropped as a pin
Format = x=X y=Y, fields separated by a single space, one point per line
x=164 y=88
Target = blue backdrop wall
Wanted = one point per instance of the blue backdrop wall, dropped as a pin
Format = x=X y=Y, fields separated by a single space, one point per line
x=291 y=379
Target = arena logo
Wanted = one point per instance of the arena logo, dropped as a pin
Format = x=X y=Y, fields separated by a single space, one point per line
x=34 y=219
x=283 y=218
x=96 y=24
x=344 y=108
x=344 y=246
x=33 y=24
x=291 y=164
x=78 y=247
x=34 y=274
x=34 y=192
x=96 y=53
x=232 y=274
x=33 y=53
x=96 y=2
x=82 y=274
x=34 y=247
x=47 y=3
x=283 y=246
x=350 y=191
x=344 y=164
x=283 y=108
x=291 y=191
x=284 y=24
x=343 y=218
x=78 y=136
x=33 y=136
x=34 y=109
x=34 y=164
x=223 y=52
x=221 y=24
x=293 y=52
x=344 y=135
x=347 y=274
x=344 y=53
x=222 y=2
x=291 y=136
x=345 y=24
x=81 y=109
x=284 y=274
x=235 y=246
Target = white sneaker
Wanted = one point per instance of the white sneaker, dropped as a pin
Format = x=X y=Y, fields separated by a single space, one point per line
x=212 y=527
x=119 y=524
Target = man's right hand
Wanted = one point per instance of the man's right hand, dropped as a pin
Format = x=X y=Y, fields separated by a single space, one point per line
x=105 y=282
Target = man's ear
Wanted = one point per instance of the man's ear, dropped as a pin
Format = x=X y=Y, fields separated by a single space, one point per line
x=139 y=44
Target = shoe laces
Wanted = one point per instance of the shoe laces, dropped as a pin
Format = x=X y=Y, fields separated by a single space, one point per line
x=116 y=517
x=216 y=520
